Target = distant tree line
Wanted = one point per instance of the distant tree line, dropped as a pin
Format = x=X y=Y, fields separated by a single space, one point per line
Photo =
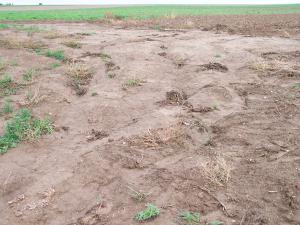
x=6 y=4
x=11 y=4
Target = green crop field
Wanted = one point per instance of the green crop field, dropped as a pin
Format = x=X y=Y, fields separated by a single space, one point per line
x=144 y=12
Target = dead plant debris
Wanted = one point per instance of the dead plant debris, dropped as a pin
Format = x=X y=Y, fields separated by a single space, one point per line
x=213 y=66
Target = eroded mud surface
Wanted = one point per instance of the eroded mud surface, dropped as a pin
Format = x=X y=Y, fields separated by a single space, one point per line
x=223 y=141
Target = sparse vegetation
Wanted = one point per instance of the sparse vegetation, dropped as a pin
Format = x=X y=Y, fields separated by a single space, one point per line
x=190 y=217
x=156 y=27
x=53 y=35
x=23 y=127
x=263 y=66
x=58 y=54
x=150 y=212
x=85 y=33
x=138 y=196
x=55 y=65
x=297 y=85
x=158 y=137
x=215 y=107
x=72 y=44
x=7 y=108
x=7 y=86
x=111 y=75
x=31 y=30
x=29 y=75
x=132 y=83
x=104 y=56
x=94 y=94
x=13 y=43
x=33 y=98
x=3 y=66
x=214 y=222
x=14 y=62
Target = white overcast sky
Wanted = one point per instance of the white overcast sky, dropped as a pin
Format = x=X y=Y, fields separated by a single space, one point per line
x=106 y=2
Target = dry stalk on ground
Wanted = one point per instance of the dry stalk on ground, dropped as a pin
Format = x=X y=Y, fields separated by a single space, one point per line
x=34 y=98
x=79 y=72
x=162 y=136
x=13 y=43
x=53 y=35
x=217 y=171
x=264 y=66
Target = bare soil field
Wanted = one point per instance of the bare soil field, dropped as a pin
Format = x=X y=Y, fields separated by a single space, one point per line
x=189 y=120
x=282 y=25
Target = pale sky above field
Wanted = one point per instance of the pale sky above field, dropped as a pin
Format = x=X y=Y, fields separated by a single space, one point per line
x=106 y=2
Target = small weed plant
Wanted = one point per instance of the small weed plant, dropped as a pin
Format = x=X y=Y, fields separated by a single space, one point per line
x=58 y=54
x=7 y=107
x=190 y=217
x=133 y=83
x=104 y=56
x=55 y=65
x=138 y=196
x=7 y=86
x=150 y=212
x=3 y=66
x=23 y=127
x=29 y=75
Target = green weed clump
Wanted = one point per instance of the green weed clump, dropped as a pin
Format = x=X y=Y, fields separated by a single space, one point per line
x=3 y=26
x=133 y=83
x=7 y=108
x=190 y=217
x=150 y=212
x=59 y=54
x=55 y=65
x=23 y=127
x=7 y=86
x=104 y=56
x=29 y=75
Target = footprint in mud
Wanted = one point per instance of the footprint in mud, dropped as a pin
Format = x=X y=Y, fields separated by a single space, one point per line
x=213 y=66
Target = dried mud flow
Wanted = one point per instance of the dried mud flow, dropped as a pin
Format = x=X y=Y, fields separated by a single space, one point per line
x=194 y=121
